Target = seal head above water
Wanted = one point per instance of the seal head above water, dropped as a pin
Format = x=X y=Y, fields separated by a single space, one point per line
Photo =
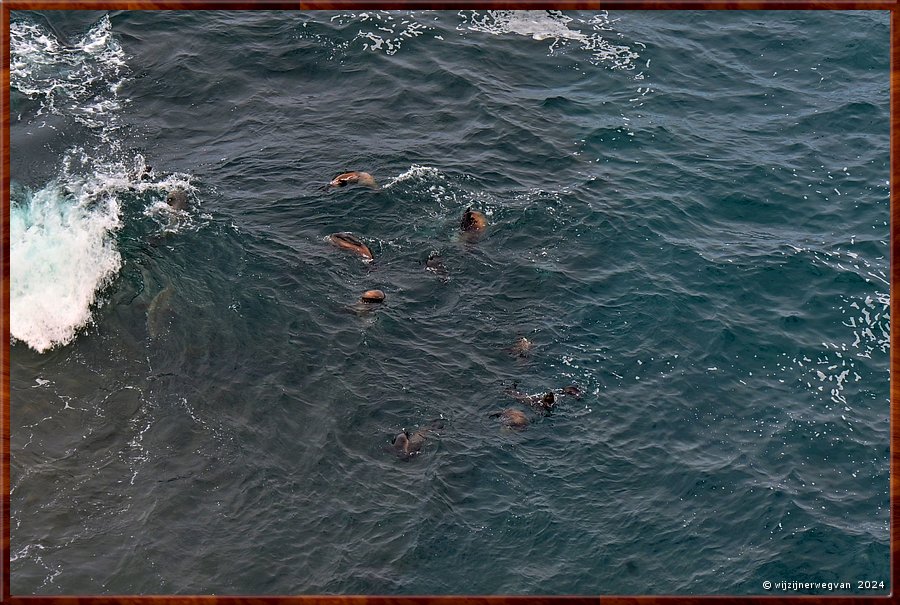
x=472 y=221
x=351 y=178
x=372 y=296
x=367 y=303
x=178 y=200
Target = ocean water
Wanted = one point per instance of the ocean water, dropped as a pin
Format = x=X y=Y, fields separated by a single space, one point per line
x=687 y=217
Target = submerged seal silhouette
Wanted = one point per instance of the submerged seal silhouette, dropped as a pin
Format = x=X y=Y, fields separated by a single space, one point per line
x=348 y=241
x=571 y=391
x=512 y=418
x=351 y=178
x=521 y=348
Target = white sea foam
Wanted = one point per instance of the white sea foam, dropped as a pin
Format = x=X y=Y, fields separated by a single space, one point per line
x=387 y=31
x=555 y=25
x=828 y=371
x=383 y=31
x=414 y=171
x=74 y=80
x=61 y=254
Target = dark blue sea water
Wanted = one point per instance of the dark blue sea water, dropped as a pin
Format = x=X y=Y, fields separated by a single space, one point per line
x=687 y=217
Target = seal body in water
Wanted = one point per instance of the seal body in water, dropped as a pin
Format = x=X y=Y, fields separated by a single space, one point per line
x=512 y=418
x=367 y=303
x=178 y=200
x=159 y=312
x=351 y=178
x=472 y=221
x=543 y=403
x=434 y=264
x=406 y=445
x=571 y=391
x=348 y=241
x=521 y=348
x=372 y=296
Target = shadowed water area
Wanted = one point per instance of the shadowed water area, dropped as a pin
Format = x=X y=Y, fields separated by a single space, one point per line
x=687 y=217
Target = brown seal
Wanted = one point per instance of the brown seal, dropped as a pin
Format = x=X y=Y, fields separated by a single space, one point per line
x=348 y=241
x=521 y=348
x=571 y=391
x=372 y=296
x=472 y=220
x=512 y=418
x=543 y=403
x=406 y=445
x=351 y=178
x=178 y=200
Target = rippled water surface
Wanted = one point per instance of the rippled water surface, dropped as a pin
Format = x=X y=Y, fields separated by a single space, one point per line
x=687 y=217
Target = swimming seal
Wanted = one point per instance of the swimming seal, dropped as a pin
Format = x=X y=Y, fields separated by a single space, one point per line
x=372 y=296
x=177 y=200
x=159 y=312
x=546 y=401
x=472 y=220
x=351 y=178
x=521 y=348
x=367 y=303
x=543 y=403
x=512 y=418
x=348 y=241
x=434 y=264
x=571 y=391
x=406 y=445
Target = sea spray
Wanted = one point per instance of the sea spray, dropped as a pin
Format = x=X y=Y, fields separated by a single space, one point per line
x=79 y=80
x=61 y=255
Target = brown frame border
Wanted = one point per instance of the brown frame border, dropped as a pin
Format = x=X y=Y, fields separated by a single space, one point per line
x=888 y=5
